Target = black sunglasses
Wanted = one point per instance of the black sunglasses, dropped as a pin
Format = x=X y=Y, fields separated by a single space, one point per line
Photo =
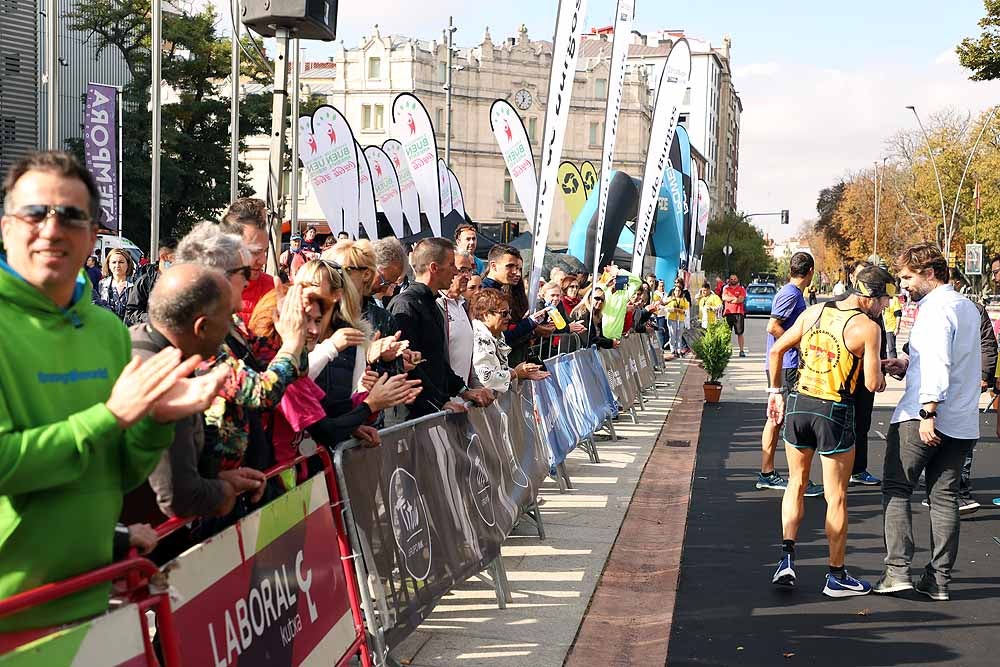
x=69 y=216
x=244 y=270
x=502 y=313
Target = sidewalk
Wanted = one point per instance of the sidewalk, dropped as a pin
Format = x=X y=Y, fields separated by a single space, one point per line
x=727 y=611
x=552 y=580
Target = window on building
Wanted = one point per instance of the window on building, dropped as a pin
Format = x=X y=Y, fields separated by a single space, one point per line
x=601 y=89
x=372 y=116
x=532 y=129
x=596 y=134
x=12 y=63
x=443 y=71
x=374 y=68
x=687 y=97
x=8 y=131
x=508 y=191
x=439 y=121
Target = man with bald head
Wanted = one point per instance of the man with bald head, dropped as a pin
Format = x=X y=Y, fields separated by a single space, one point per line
x=190 y=308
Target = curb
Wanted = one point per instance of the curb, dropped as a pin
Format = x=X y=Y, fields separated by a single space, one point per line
x=631 y=612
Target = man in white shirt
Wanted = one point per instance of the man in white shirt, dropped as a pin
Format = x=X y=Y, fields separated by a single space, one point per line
x=457 y=325
x=935 y=424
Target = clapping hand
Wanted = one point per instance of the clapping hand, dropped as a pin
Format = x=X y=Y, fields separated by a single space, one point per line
x=189 y=396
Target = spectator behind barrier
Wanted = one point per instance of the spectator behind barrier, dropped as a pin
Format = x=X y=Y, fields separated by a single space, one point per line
x=190 y=308
x=457 y=324
x=353 y=395
x=115 y=288
x=390 y=263
x=504 y=274
x=146 y=277
x=491 y=310
x=80 y=424
x=552 y=299
x=582 y=313
x=232 y=423
x=422 y=324
x=466 y=240
x=247 y=219
x=474 y=285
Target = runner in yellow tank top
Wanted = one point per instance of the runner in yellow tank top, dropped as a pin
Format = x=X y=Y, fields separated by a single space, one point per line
x=834 y=339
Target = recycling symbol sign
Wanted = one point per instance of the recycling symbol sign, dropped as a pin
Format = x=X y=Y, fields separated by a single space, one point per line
x=570 y=184
x=589 y=180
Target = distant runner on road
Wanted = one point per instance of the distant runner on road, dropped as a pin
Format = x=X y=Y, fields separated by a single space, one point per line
x=833 y=343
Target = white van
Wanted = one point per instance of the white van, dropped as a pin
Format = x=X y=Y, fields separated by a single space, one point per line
x=106 y=242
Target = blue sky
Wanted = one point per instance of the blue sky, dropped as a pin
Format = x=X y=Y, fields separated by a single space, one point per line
x=823 y=84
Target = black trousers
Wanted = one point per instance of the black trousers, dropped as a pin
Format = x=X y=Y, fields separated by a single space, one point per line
x=864 y=403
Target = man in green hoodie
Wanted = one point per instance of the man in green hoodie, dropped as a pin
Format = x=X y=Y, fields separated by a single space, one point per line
x=80 y=424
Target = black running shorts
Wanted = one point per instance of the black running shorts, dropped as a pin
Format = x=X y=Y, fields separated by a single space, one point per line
x=813 y=423
x=736 y=322
x=789 y=378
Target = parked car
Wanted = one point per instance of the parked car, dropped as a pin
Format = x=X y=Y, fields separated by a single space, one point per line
x=760 y=298
x=107 y=242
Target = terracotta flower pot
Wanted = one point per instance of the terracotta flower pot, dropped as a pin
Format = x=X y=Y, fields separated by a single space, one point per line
x=712 y=392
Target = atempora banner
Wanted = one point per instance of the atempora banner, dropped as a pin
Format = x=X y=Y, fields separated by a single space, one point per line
x=112 y=640
x=407 y=186
x=101 y=150
x=385 y=181
x=512 y=137
x=616 y=78
x=573 y=191
x=366 y=195
x=444 y=184
x=457 y=197
x=589 y=174
x=693 y=206
x=268 y=591
x=670 y=93
x=412 y=127
x=570 y=20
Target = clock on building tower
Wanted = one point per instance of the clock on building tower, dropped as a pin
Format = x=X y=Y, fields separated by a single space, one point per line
x=523 y=99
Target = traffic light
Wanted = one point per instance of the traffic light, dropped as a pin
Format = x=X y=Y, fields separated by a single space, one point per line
x=784 y=216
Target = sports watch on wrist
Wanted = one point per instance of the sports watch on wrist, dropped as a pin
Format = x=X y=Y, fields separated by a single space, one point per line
x=924 y=414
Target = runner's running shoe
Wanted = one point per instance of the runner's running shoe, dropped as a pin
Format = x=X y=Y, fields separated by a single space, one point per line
x=813 y=490
x=865 y=478
x=845 y=587
x=785 y=574
x=772 y=481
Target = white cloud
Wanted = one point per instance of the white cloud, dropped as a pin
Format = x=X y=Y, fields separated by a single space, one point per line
x=808 y=127
x=757 y=70
x=947 y=57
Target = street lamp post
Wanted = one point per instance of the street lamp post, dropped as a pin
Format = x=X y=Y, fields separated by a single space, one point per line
x=447 y=88
x=968 y=163
x=154 y=195
x=937 y=176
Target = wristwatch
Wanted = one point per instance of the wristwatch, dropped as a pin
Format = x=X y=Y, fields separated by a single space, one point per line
x=776 y=390
x=926 y=415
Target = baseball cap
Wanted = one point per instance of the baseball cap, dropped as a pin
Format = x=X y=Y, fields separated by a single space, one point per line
x=296 y=237
x=875 y=283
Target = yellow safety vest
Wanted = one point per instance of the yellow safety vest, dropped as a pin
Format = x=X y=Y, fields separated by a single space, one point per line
x=828 y=370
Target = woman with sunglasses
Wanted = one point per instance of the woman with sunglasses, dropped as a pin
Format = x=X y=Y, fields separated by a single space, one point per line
x=490 y=310
x=582 y=313
x=113 y=290
x=338 y=361
x=357 y=258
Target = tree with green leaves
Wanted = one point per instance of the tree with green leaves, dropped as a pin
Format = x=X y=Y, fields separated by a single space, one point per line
x=982 y=54
x=749 y=254
x=194 y=166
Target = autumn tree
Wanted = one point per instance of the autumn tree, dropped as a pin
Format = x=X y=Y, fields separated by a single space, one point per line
x=749 y=254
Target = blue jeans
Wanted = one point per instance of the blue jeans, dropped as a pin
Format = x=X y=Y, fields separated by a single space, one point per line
x=661 y=330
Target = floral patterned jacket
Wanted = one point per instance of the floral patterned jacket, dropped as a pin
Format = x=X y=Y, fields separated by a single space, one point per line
x=489 y=358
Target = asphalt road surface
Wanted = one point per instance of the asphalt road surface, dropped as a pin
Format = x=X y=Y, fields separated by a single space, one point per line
x=729 y=613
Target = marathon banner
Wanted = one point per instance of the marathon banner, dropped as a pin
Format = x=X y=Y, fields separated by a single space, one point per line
x=366 y=195
x=670 y=93
x=101 y=150
x=329 y=155
x=616 y=78
x=623 y=386
x=636 y=351
x=385 y=182
x=684 y=167
x=268 y=591
x=412 y=127
x=512 y=137
x=570 y=19
x=589 y=174
x=457 y=198
x=112 y=640
x=407 y=186
x=444 y=178
x=573 y=191
x=692 y=194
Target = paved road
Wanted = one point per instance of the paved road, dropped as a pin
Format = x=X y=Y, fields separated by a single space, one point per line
x=728 y=613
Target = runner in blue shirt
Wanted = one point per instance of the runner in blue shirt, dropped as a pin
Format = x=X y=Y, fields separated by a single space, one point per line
x=788 y=304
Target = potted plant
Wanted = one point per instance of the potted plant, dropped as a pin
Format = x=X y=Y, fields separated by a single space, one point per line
x=714 y=349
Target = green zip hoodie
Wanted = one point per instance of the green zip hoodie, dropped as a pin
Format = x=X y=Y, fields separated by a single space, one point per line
x=64 y=461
